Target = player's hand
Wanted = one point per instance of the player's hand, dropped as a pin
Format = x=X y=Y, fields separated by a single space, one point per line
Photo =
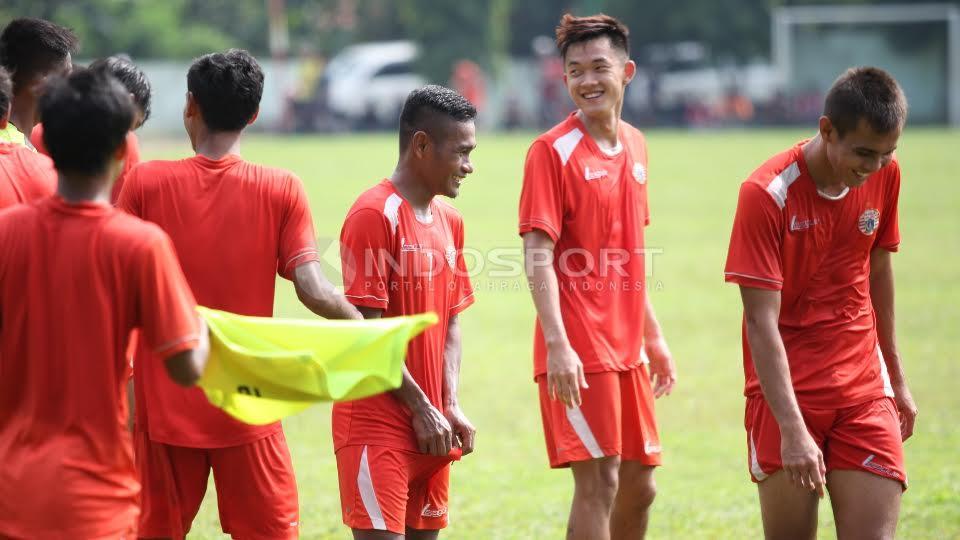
x=464 y=434
x=663 y=372
x=565 y=375
x=803 y=460
x=433 y=432
x=907 y=409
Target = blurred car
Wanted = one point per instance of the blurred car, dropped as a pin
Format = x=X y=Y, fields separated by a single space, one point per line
x=366 y=84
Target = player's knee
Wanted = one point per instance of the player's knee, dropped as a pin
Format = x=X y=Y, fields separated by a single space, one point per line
x=639 y=491
x=599 y=485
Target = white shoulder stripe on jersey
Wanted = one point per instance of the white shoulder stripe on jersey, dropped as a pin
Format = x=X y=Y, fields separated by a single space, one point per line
x=779 y=186
x=391 y=209
x=580 y=426
x=566 y=144
x=367 y=495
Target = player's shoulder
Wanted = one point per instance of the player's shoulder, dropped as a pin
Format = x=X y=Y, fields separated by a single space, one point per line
x=449 y=211
x=561 y=140
x=138 y=233
x=381 y=198
x=778 y=171
x=157 y=170
x=631 y=133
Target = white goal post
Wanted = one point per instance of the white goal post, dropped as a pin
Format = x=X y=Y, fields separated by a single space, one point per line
x=784 y=18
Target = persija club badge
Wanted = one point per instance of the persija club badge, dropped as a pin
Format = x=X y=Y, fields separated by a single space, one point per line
x=639 y=173
x=869 y=221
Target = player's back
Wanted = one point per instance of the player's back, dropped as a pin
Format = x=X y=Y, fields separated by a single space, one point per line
x=227 y=219
x=234 y=225
x=70 y=278
x=24 y=175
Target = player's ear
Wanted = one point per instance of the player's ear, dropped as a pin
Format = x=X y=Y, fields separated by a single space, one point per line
x=629 y=71
x=191 y=109
x=827 y=130
x=254 y=117
x=419 y=143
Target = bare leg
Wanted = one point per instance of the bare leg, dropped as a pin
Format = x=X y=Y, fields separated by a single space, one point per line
x=422 y=534
x=370 y=534
x=631 y=509
x=788 y=512
x=594 y=489
x=865 y=506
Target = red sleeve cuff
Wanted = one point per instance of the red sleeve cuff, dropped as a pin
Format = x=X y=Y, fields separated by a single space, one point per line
x=757 y=282
x=368 y=300
x=177 y=346
x=541 y=225
x=302 y=257
x=466 y=302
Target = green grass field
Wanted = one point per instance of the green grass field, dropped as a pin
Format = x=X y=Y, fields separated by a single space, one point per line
x=506 y=490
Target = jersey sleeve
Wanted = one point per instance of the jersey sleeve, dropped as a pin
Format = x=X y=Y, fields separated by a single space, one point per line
x=754 y=256
x=463 y=289
x=366 y=251
x=888 y=237
x=298 y=244
x=131 y=195
x=167 y=309
x=130 y=160
x=541 y=199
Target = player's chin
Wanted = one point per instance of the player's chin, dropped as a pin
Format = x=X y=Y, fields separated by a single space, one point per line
x=453 y=189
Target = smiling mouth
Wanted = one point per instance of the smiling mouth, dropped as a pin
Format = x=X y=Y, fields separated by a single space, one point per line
x=592 y=95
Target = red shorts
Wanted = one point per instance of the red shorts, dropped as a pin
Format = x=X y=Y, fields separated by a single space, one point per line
x=616 y=418
x=256 y=488
x=389 y=489
x=864 y=437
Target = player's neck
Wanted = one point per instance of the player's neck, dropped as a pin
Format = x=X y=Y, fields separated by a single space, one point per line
x=602 y=129
x=216 y=145
x=412 y=190
x=84 y=189
x=815 y=154
x=24 y=118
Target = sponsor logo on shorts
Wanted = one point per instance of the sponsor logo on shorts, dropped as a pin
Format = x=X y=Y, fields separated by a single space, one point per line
x=869 y=221
x=434 y=513
x=868 y=463
x=651 y=448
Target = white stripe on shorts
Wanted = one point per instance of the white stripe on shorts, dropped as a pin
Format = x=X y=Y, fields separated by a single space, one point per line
x=754 y=463
x=579 y=423
x=367 y=494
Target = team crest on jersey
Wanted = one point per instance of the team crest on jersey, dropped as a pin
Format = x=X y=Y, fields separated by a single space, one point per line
x=869 y=221
x=639 y=173
x=451 y=255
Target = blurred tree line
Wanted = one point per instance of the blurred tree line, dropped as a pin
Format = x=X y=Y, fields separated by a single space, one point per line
x=486 y=31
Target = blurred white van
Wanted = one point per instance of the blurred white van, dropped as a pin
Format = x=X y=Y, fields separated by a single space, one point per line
x=367 y=83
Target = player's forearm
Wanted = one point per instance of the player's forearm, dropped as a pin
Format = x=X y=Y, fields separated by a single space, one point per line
x=410 y=394
x=773 y=372
x=882 y=297
x=452 y=354
x=544 y=287
x=319 y=295
x=651 y=327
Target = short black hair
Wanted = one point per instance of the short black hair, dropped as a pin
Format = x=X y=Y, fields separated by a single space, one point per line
x=6 y=92
x=227 y=87
x=867 y=93
x=86 y=117
x=131 y=77
x=30 y=47
x=573 y=30
x=425 y=104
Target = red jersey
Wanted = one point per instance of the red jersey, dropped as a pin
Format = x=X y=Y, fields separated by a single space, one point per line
x=24 y=175
x=593 y=204
x=815 y=250
x=397 y=263
x=131 y=158
x=75 y=279
x=235 y=226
